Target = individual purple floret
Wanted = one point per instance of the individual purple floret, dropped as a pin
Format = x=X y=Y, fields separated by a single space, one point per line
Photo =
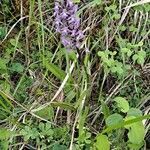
x=68 y=24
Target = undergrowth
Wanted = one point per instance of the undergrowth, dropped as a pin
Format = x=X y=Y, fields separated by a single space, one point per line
x=93 y=98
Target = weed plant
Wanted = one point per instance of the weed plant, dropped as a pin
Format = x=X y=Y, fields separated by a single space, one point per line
x=81 y=89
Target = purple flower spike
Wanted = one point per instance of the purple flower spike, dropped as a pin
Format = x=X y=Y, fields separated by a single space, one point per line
x=70 y=4
x=65 y=31
x=74 y=32
x=64 y=14
x=65 y=41
x=56 y=8
x=67 y=24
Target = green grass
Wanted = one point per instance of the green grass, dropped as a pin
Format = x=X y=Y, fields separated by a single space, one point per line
x=96 y=98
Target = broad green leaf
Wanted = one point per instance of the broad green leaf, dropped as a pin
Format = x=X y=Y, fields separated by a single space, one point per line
x=60 y=74
x=102 y=142
x=136 y=133
x=46 y=113
x=114 y=119
x=133 y=146
x=125 y=123
x=134 y=112
x=122 y=103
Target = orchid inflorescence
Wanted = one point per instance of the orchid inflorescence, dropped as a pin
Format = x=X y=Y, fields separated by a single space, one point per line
x=68 y=24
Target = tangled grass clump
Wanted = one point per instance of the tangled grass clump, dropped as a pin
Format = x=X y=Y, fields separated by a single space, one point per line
x=74 y=75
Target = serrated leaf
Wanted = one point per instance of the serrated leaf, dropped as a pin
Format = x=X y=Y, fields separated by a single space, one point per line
x=102 y=142
x=122 y=103
x=114 y=119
